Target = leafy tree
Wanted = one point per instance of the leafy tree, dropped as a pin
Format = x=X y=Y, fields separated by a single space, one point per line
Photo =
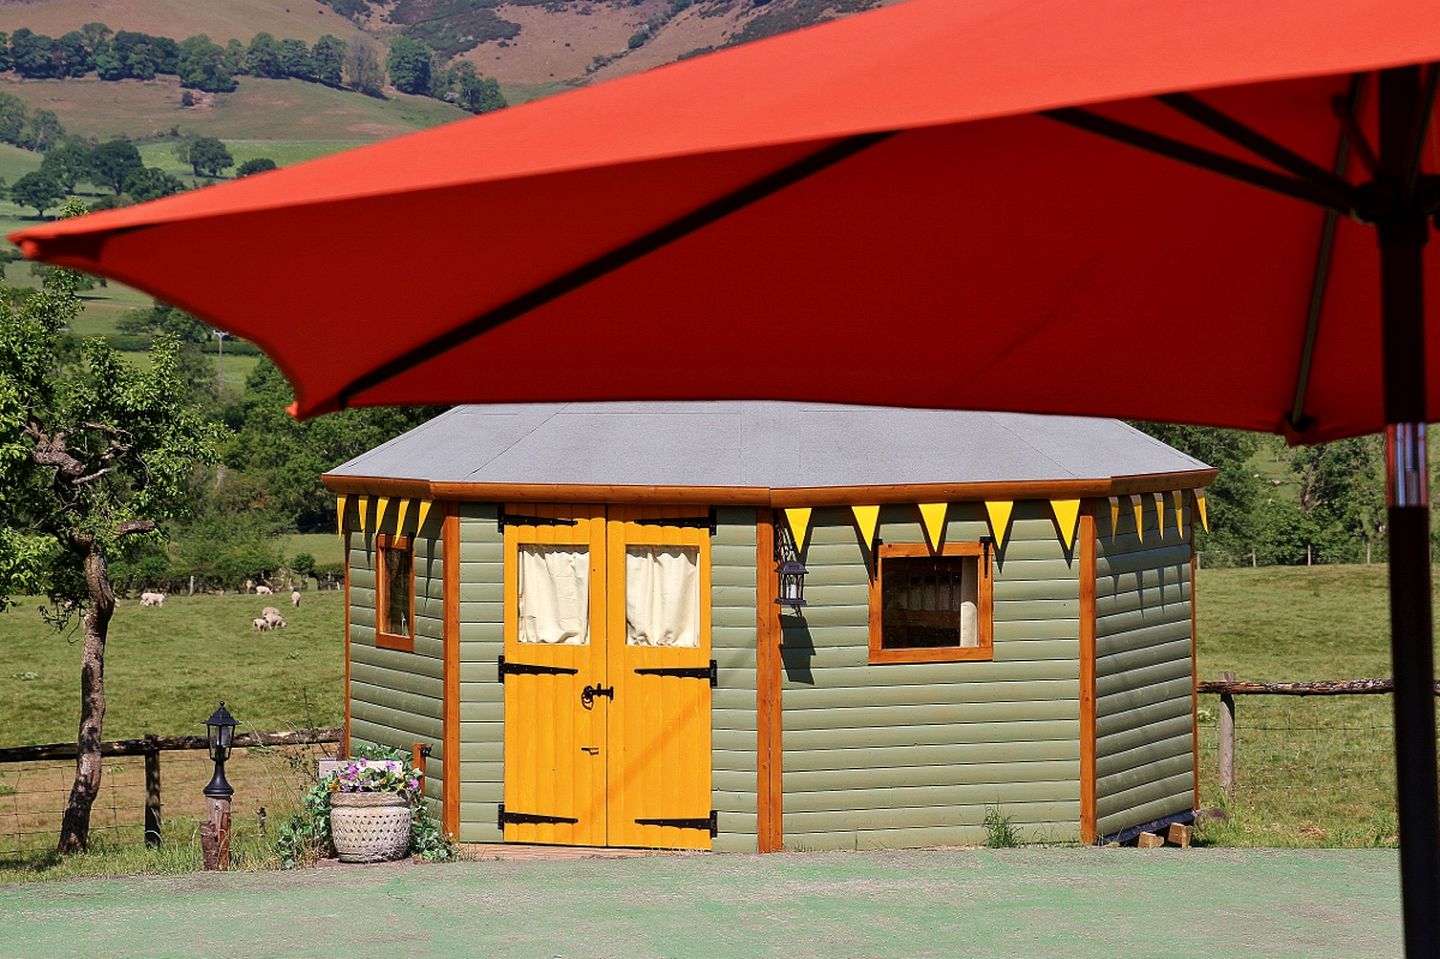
x=96 y=34
x=257 y=165
x=363 y=71
x=187 y=98
x=142 y=64
x=296 y=61
x=1232 y=500
x=43 y=131
x=151 y=183
x=110 y=66
x=68 y=163
x=167 y=55
x=1342 y=494
x=201 y=66
x=262 y=59
x=75 y=56
x=329 y=60
x=409 y=65
x=7 y=61
x=208 y=156
x=473 y=92
x=91 y=453
x=12 y=118
x=34 y=54
x=38 y=190
x=113 y=162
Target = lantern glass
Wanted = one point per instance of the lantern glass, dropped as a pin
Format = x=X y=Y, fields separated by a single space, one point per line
x=220 y=732
x=792 y=584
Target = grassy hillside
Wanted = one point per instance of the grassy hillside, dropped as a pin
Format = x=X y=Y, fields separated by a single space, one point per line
x=259 y=110
x=222 y=19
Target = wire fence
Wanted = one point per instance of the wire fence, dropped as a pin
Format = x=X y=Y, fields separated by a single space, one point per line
x=268 y=781
x=1305 y=770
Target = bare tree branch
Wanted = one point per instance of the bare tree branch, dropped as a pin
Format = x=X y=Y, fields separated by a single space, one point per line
x=136 y=526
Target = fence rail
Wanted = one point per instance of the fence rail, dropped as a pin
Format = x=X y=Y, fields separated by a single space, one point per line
x=150 y=748
x=1327 y=687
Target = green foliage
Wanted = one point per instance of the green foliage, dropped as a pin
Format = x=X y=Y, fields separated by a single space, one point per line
x=451 y=27
x=151 y=183
x=114 y=162
x=328 y=58
x=1000 y=829
x=303 y=563
x=38 y=190
x=409 y=65
x=363 y=71
x=296 y=61
x=68 y=163
x=209 y=156
x=34 y=55
x=306 y=836
x=201 y=65
x=257 y=165
x=1233 y=499
x=473 y=92
x=262 y=59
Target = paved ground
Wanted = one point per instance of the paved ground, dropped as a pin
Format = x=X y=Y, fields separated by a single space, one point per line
x=967 y=903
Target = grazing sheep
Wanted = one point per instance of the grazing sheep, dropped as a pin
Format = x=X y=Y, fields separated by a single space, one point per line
x=152 y=599
x=263 y=591
x=295 y=598
x=260 y=624
x=269 y=611
x=275 y=620
x=249 y=585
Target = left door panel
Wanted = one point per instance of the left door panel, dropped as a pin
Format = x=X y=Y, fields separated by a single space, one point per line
x=555 y=631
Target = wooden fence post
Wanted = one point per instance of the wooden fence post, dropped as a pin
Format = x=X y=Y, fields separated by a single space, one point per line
x=152 y=793
x=1227 y=740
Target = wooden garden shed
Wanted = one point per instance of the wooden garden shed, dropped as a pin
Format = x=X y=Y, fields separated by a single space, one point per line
x=577 y=613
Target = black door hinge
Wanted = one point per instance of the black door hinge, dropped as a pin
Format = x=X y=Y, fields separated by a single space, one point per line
x=687 y=672
x=531 y=819
x=707 y=521
x=532 y=669
x=503 y=519
x=709 y=823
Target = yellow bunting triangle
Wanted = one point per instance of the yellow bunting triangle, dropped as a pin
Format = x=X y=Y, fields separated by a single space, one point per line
x=798 y=519
x=400 y=519
x=1177 y=498
x=868 y=519
x=382 y=503
x=932 y=517
x=364 y=504
x=1114 y=516
x=340 y=514
x=425 y=505
x=1160 y=512
x=999 y=512
x=1067 y=514
x=1135 y=504
x=1200 y=508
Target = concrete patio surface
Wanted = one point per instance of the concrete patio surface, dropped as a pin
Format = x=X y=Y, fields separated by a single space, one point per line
x=1101 y=903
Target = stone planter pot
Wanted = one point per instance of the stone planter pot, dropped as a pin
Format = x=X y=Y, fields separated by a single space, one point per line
x=369 y=827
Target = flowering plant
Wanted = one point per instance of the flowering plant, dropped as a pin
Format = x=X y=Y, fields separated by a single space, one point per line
x=375 y=776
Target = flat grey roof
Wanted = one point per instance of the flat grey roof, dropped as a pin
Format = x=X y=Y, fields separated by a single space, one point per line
x=759 y=444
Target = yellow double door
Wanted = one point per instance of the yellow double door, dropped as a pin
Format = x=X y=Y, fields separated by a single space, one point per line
x=607 y=675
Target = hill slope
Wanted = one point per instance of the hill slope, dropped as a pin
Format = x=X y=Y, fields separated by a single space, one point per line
x=223 y=20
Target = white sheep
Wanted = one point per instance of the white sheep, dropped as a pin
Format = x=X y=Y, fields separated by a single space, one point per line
x=275 y=620
x=260 y=624
x=263 y=591
x=269 y=611
x=152 y=599
x=295 y=598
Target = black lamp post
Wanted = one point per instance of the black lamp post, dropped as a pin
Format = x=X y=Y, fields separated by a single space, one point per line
x=215 y=833
x=220 y=731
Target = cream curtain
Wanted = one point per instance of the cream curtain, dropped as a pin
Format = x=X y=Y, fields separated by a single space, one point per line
x=554 y=593
x=970 y=606
x=662 y=596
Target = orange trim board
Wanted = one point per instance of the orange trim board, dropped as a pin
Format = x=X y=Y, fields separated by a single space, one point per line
x=762 y=496
x=769 y=772
x=450 y=755
x=1086 y=546
x=345 y=745
x=945 y=654
x=385 y=638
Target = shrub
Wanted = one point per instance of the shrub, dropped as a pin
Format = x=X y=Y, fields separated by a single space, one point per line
x=1000 y=831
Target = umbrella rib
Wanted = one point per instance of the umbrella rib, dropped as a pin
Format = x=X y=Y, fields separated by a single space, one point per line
x=613 y=260
x=1347 y=203
x=1422 y=128
x=1324 y=258
x=1254 y=141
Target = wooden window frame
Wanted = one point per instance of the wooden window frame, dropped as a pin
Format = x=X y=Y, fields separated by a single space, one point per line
x=984 y=602
x=384 y=639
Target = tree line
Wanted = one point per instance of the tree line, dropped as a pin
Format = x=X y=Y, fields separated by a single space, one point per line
x=202 y=64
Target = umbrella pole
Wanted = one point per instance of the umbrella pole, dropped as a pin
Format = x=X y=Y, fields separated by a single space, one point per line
x=1402 y=243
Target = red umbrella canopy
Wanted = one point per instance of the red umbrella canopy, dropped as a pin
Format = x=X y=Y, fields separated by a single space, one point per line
x=885 y=209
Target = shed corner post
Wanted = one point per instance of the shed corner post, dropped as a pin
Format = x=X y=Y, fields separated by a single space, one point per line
x=768 y=757
x=345 y=569
x=1194 y=672
x=450 y=753
x=1087 y=548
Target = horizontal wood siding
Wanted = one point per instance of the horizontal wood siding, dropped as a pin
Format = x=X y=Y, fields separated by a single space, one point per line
x=482 y=695
x=733 y=712
x=396 y=697
x=1144 y=737
x=913 y=754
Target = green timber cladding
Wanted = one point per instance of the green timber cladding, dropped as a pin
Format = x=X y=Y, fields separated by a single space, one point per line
x=869 y=754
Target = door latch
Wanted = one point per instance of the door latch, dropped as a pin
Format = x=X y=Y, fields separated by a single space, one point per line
x=588 y=694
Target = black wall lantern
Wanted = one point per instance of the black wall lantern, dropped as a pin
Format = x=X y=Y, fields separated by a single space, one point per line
x=791 y=569
x=220 y=731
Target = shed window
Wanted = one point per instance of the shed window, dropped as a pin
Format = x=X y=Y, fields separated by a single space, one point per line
x=554 y=595
x=395 y=600
x=928 y=607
